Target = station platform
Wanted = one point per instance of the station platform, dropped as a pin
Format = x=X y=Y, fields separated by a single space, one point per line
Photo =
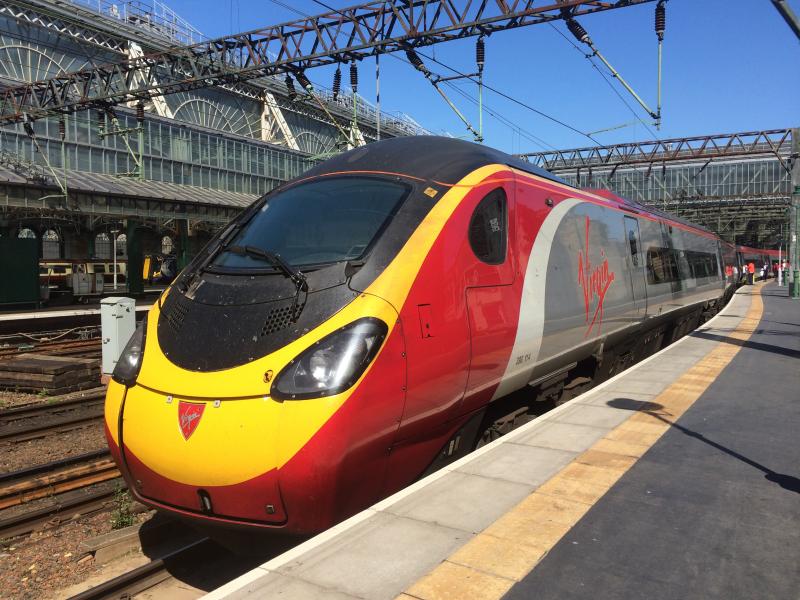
x=678 y=478
x=65 y=312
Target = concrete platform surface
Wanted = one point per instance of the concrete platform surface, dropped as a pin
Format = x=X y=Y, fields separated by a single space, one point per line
x=676 y=478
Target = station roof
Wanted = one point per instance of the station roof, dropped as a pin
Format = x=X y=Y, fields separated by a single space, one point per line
x=129 y=187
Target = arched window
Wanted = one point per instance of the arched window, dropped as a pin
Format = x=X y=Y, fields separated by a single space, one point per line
x=102 y=245
x=488 y=228
x=122 y=245
x=27 y=233
x=51 y=248
x=166 y=245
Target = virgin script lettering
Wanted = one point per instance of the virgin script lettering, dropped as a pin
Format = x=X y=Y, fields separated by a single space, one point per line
x=595 y=282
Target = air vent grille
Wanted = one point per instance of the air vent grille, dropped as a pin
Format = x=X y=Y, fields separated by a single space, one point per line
x=278 y=318
x=177 y=314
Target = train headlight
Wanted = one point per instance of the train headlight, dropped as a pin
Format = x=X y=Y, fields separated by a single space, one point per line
x=130 y=361
x=333 y=364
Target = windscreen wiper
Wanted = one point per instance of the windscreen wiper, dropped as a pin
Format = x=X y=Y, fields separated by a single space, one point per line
x=274 y=259
x=297 y=277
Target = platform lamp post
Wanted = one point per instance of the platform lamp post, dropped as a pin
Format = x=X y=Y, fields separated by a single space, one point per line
x=114 y=233
x=794 y=287
x=794 y=217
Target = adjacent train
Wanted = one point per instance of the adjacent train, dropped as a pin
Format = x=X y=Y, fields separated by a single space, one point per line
x=376 y=318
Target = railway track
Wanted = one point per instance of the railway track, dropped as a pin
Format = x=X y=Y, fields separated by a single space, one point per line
x=127 y=585
x=56 y=348
x=38 y=420
x=57 y=477
x=64 y=479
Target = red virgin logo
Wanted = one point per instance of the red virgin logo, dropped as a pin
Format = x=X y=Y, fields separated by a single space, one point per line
x=189 y=415
x=595 y=282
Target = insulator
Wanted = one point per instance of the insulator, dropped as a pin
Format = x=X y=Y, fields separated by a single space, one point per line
x=140 y=112
x=27 y=124
x=337 y=83
x=415 y=60
x=578 y=31
x=354 y=76
x=661 y=20
x=290 y=87
x=303 y=80
x=62 y=128
x=480 y=52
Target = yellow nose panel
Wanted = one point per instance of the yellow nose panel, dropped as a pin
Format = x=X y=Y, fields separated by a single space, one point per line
x=232 y=440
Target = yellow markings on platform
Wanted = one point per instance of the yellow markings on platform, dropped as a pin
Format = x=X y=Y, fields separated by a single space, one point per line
x=505 y=552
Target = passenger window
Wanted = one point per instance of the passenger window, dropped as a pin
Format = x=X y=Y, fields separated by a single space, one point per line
x=488 y=229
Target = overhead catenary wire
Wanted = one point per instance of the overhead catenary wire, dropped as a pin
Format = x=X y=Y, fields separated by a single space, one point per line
x=471 y=78
x=493 y=112
x=605 y=78
x=502 y=119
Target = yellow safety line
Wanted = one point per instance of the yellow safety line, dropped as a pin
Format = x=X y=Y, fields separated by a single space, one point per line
x=502 y=554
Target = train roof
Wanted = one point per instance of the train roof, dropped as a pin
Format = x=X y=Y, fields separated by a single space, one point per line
x=436 y=158
x=609 y=195
x=447 y=160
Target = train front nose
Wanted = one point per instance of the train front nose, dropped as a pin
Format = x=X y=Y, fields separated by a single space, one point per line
x=212 y=457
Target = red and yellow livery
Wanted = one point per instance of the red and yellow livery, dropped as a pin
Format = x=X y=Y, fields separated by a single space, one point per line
x=364 y=324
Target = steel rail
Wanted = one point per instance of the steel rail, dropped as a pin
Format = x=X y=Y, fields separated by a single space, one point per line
x=144 y=577
x=41 y=409
x=52 y=466
x=40 y=430
x=54 y=348
x=84 y=504
x=343 y=35
x=70 y=479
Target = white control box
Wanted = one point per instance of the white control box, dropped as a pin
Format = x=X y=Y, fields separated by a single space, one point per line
x=117 y=324
x=81 y=284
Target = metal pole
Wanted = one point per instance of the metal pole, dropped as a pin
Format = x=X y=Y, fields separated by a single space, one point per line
x=114 y=235
x=477 y=135
x=378 y=93
x=794 y=289
x=788 y=15
x=64 y=158
x=615 y=74
x=658 y=107
x=141 y=151
x=480 y=105
x=661 y=24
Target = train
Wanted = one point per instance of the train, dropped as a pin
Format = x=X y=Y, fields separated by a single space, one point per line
x=384 y=314
x=56 y=275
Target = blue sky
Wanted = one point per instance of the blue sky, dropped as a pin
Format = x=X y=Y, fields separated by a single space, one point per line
x=729 y=65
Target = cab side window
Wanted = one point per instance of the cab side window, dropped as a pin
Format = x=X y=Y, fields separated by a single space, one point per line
x=488 y=229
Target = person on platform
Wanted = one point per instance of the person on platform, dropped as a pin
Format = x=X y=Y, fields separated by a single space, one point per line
x=751 y=270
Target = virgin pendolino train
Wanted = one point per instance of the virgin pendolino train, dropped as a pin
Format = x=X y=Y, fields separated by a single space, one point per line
x=371 y=320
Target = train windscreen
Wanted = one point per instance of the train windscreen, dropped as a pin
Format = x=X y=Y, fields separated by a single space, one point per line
x=316 y=223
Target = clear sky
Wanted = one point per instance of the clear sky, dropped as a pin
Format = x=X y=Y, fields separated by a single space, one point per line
x=729 y=66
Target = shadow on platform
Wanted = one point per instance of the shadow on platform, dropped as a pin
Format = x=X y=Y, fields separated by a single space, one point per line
x=748 y=344
x=787 y=482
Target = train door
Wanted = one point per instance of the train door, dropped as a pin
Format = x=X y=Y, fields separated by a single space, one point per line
x=492 y=300
x=636 y=262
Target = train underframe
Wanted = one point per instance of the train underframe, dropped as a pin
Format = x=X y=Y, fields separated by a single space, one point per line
x=568 y=376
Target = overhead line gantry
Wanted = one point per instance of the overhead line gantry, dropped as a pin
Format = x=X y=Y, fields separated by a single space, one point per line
x=738 y=184
x=348 y=34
